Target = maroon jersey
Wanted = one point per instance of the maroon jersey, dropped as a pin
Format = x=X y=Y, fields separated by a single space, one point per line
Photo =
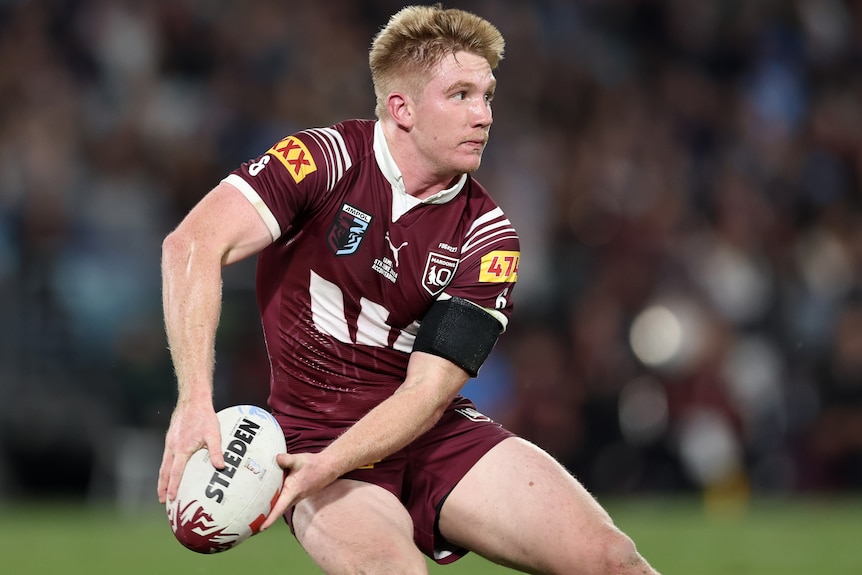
x=357 y=262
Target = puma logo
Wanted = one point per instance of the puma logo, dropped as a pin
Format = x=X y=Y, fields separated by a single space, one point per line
x=394 y=249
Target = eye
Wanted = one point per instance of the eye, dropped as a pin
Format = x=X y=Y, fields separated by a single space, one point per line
x=489 y=97
x=460 y=95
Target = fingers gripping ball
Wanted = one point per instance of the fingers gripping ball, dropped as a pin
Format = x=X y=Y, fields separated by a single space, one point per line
x=216 y=509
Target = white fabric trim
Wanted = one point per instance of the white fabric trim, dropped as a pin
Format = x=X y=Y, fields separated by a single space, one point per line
x=402 y=202
x=334 y=149
x=504 y=321
x=254 y=198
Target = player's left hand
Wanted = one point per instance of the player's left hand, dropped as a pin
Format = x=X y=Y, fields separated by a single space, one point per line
x=305 y=475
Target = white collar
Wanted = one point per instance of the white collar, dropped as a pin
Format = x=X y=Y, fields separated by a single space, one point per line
x=402 y=202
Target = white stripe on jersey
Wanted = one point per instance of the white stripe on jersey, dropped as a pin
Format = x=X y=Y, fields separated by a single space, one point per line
x=491 y=227
x=256 y=201
x=481 y=220
x=334 y=149
x=327 y=308
x=328 y=316
x=496 y=237
x=484 y=232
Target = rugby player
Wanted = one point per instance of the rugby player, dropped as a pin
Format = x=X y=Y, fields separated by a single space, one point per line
x=385 y=275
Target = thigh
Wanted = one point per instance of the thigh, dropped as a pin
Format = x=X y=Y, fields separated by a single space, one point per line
x=519 y=507
x=357 y=527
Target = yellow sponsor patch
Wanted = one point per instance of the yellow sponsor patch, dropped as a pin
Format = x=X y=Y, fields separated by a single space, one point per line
x=295 y=156
x=499 y=266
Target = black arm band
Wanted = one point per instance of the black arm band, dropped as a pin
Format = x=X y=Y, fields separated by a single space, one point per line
x=459 y=331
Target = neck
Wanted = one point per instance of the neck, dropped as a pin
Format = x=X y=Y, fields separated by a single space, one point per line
x=419 y=177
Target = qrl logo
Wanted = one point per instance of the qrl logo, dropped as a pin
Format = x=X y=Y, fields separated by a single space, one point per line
x=347 y=230
x=439 y=271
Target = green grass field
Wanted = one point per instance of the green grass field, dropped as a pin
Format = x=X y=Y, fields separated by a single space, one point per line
x=786 y=537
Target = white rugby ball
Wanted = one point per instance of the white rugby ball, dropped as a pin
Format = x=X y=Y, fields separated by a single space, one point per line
x=216 y=509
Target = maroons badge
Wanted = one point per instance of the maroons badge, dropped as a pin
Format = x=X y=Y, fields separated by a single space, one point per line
x=439 y=271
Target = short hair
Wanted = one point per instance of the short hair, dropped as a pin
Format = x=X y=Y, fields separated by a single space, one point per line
x=417 y=38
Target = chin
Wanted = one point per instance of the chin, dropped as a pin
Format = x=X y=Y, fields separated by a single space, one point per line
x=462 y=163
x=471 y=166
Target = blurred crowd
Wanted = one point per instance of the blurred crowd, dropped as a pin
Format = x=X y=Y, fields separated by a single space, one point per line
x=686 y=178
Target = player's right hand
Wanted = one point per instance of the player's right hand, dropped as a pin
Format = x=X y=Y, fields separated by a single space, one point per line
x=193 y=425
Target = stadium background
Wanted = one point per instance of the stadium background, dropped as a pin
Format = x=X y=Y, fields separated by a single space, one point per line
x=685 y=177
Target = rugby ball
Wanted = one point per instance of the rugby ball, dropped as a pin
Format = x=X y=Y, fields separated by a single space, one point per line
x=216 y=509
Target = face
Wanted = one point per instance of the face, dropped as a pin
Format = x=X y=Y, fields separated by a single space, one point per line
x=452 y=116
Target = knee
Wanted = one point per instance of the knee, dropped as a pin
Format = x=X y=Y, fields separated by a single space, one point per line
x=387 y=564
x=615 y=553
x=376 y=553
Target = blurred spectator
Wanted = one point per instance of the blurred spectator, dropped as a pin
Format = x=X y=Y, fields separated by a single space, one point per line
x=685 y=177
x=836 y=438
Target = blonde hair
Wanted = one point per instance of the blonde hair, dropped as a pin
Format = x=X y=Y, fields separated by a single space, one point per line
x=416 y=38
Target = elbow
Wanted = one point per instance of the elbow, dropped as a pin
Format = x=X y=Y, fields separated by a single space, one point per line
x=183 y=256
x=174 y=244
x=433 y=416
x=438 y=411
x=440 y=403
x=429 y=404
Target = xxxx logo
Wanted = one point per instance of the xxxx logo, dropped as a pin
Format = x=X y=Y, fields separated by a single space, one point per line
x=295 y=156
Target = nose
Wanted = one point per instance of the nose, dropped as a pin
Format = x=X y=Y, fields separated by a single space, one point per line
x=482 y=116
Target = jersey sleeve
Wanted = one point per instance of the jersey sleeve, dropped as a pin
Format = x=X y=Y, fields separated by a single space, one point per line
x=288 y=180
x=488 y=267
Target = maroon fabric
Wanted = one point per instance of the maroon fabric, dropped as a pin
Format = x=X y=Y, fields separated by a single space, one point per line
x=343 y=291
x=420 y=475
x=344 y=288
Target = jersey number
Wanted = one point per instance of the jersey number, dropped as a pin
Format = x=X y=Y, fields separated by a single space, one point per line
x=501 y=299
x=254 y=168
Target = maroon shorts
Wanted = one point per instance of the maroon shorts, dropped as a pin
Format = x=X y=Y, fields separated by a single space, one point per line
x=422 y=474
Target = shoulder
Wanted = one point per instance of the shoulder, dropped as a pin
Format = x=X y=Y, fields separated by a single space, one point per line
x=336 y=149
x=324 y=153
x=348 y=139
x=489 y=227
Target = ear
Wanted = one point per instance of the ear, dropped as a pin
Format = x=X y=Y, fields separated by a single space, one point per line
x=400 y=109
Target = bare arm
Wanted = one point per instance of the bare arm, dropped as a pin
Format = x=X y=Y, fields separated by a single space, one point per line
x=429 y=387
x=222 y=229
